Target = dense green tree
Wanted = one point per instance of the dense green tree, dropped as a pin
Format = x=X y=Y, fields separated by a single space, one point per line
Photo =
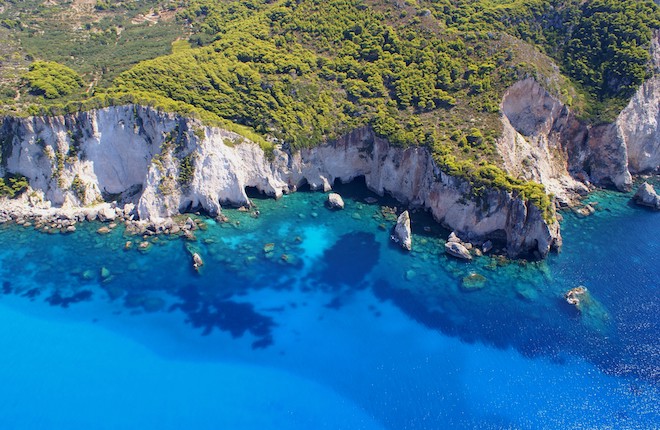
x=52 y=80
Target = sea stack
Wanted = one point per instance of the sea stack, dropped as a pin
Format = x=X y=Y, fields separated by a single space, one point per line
x=402 y=232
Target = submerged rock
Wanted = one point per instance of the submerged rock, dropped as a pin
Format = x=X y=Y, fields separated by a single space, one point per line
x=410 y=274
x=591 y=311
x=402 y=232
x=103 y=230
x=526 y=293
x=457 y=250
x=647 y=196
x=585 y=210
x=473 y=282
x=335 y=201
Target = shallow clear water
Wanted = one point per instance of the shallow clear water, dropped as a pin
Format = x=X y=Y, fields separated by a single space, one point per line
x=334 y=328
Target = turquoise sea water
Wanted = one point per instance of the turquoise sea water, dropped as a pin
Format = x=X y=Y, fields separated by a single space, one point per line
x=334 y=328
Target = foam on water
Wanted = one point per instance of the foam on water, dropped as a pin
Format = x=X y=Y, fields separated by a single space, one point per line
x=331 y=326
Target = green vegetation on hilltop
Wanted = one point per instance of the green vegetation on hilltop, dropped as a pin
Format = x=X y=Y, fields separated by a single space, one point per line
x=52 y=80
x=97 y=41
x=309 y=71
x=425 y=72
x=601 y=44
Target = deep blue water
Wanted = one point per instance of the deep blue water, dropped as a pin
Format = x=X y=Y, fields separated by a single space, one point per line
x=334 y=328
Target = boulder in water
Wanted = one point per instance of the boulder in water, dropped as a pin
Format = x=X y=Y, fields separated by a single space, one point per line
x=576 y=296
x=335 y=201
x=189 y=225
x=457 y=250
x=646 y=196
x=585 y=210
x=197 y=261
x=129 y=210
x=402 y=232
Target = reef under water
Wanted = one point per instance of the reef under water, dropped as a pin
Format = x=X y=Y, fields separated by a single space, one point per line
x=304 y=316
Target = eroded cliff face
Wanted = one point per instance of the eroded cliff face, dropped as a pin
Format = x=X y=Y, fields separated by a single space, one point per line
x=545 y=142
x=166 y=164
x=639 y=122
x=536 y=128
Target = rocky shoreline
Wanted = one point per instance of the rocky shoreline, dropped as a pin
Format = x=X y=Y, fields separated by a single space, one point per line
x=162 y=165
x=64 y=220
x=165 y=165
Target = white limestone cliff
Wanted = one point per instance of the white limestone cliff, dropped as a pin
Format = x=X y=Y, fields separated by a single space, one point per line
x=639 y=122
x=543 y=140
x=135 y=154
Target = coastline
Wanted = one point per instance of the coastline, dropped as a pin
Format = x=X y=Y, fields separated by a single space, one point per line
x=138 y=156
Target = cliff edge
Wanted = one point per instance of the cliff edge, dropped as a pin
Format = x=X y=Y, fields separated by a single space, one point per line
x=166 y=164
x=545 y=142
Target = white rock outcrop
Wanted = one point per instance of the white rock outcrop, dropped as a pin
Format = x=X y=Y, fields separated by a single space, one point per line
x=639 y=122
x=106 y=214
x=544 y=141
x=646 y=196
x=134 y=155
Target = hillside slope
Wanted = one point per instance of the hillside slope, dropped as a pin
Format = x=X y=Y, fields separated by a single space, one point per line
x=483 y=87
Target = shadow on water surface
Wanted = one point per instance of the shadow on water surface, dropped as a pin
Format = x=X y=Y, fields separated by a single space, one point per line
x=347 y=263
x=224 y=314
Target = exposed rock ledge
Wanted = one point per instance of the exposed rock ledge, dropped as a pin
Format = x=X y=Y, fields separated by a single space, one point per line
x=121 y=153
